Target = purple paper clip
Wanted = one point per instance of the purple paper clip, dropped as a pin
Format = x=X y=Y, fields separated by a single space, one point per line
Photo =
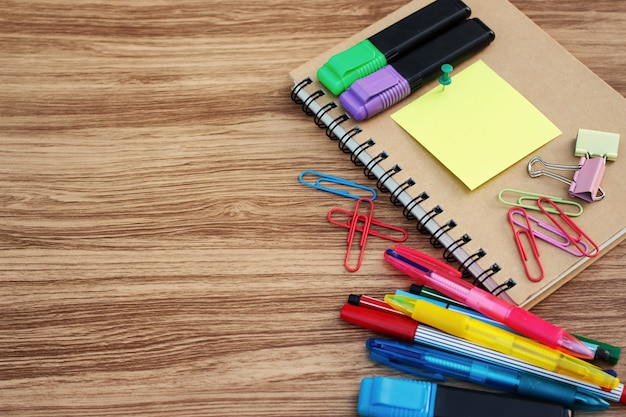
x=587 y=177
x=560 y=240
x=578 y=237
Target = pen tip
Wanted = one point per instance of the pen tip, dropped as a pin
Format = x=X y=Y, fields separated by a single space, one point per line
x=575 y=347
x=354 y=299
x=585 y=401
x=602 y=354
x=400 y=303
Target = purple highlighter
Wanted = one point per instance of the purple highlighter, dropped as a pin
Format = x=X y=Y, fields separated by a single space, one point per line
x=378 y=91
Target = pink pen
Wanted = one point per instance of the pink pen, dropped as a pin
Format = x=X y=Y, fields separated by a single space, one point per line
x=441 y=277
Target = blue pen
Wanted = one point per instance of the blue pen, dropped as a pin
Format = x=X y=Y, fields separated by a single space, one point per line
x=437 y=365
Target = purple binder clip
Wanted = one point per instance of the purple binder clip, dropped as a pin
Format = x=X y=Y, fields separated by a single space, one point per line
x=587 y=176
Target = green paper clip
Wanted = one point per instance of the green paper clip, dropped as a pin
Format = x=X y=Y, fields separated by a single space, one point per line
x=525 y=196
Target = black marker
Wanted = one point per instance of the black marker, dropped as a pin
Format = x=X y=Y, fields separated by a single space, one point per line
x=373 y=53
x=383 y=396
x=387 y=86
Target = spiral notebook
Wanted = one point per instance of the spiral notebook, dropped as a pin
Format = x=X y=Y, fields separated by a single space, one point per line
x=471 y=226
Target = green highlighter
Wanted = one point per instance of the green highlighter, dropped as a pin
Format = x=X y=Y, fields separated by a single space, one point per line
x=604 y=351
x=373 y=53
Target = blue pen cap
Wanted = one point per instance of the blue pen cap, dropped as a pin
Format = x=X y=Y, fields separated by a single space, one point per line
x=386 y=397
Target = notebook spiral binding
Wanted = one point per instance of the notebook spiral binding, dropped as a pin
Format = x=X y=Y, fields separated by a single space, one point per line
x=426 y=221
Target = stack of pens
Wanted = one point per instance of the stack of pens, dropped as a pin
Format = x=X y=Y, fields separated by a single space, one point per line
x=458 y=330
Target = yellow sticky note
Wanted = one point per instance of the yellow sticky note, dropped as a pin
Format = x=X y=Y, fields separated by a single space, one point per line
x=478 y=126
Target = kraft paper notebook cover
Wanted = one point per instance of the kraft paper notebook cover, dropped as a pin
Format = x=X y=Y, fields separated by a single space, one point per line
x=564 y=90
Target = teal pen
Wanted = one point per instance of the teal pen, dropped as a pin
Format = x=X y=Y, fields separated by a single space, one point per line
x=436 y=365
x=610 y=354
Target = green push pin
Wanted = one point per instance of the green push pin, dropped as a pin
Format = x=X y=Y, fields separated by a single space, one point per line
x=445 y=77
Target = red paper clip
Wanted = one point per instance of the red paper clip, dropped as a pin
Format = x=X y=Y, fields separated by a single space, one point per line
x=366 y=220
x=402 y=234
x=527 y=231
x=576 y=240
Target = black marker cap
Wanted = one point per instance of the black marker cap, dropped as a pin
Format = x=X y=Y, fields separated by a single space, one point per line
x=385 y=396
x=454 y=402
x=452 y=47
x=419 y=27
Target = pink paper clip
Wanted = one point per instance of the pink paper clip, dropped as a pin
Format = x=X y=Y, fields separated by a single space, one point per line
x=578 y=235
x=366 y=220
x=526 y=230
x=401 y=236
x=560 y=240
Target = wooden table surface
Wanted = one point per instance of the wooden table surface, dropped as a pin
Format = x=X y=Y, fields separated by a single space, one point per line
x=157 y=253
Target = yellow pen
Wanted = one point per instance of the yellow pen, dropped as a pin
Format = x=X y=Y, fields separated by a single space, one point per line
x=500 y=340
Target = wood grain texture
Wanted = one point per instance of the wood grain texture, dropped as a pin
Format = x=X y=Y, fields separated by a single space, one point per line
x=157 y=253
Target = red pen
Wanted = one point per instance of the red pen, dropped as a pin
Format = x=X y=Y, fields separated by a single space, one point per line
x=441 y=277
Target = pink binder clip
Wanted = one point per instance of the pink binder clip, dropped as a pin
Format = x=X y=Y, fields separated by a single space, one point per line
x=587 y=177
x=578 y=238
x=586 y=181
x=526 y=230
x=359 y=218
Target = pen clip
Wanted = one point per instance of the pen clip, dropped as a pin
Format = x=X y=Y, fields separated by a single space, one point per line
x=393 y=363
x=576 y=240
x=425 y=262
x=398 y=358
x=329 y=179
x=366 y=220
x=527 y=231
x=403 y=235
x=411 y=269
